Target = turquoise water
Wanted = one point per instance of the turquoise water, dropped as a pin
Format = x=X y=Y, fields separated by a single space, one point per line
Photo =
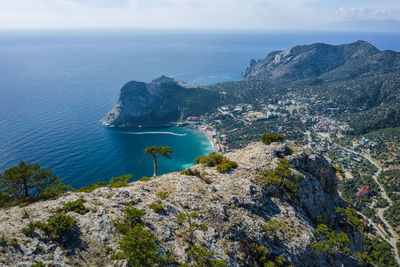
x=55 y=86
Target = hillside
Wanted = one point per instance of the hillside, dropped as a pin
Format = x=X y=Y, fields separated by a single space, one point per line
x=325 y=61
x=235 y=217
x=358 y=80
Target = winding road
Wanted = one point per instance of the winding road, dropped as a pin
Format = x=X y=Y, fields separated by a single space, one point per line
x=392 y=234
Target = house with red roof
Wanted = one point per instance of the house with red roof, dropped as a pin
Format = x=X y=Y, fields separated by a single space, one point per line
x=365 y=190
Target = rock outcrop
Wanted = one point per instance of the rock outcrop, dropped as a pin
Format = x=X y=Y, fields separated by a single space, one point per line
x=233 y=206
x=158 y=103
x=324 y=61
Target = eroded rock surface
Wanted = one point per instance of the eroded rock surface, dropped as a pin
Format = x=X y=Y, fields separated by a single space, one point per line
x=233 y=206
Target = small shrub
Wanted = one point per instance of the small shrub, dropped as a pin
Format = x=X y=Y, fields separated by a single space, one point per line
x=59 y=226
x=39 y=249
x=120 y=181
x=133 y=216
x=273 y=226
x=52 y=192
x=29 y=230
x=201 y=256
x=92 y=187
x=269 y=138
x=14 y=243
x=211 y=160
x=198 y=174
x=163 y=195
x=39 y=264
x=76 y=206
x=282 y=178
x=193 y=226
x=350 y=215
x=214 y=159
x=226 y=165
x=128 y=203
x=190 y=172
x=157 y=207
x=25 y=214
x=145 y=179
x=139 y=247
x=330 y=241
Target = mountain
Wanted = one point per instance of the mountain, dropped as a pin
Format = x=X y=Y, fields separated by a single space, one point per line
x=242 y=221
x=358 y=79
x=324 y=61
x=159 y=102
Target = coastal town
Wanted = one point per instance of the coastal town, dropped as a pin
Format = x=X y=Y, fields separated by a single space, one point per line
x=357 y=172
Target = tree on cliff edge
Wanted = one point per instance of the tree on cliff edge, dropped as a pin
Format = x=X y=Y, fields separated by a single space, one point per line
x=26 y=180
x=155 y=151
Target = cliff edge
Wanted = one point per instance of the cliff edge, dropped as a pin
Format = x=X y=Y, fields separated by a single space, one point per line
x=233 y=206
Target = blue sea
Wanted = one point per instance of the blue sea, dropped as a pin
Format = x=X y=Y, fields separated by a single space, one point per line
x=55 y=86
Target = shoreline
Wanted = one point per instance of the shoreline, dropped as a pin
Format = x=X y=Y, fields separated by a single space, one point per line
x=214 y=142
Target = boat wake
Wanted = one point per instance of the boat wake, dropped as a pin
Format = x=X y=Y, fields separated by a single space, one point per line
x=141 y=133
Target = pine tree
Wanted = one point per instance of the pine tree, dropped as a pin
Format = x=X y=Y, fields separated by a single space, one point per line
x=155 y=151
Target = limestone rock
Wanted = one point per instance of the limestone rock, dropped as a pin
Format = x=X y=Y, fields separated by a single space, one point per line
x=233 y=206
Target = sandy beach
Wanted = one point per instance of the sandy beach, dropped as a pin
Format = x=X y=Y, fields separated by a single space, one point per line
x=213 y=141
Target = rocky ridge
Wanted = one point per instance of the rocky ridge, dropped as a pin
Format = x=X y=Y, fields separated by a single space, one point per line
x=325 y=62
x=233 y=206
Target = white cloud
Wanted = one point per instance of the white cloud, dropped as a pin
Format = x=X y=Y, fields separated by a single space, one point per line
x=363 y=13
x=233 y=14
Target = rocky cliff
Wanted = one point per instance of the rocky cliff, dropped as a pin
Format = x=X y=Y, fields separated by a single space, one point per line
x=233 y=206
x=325 y=61
x=159 y=102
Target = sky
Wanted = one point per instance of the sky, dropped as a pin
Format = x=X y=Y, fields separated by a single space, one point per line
x=192 y=14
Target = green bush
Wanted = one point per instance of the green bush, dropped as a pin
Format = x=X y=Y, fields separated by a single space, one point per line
x=133 y=216
x=59 y=226
x=269 y=138
x=120 y=181
x=14 y=243
x=259 y=255
x=29 y=230
x=330 y=241
x=39 y=264
x=273 y=226
x=138 y=246
x=145 y=179
x=190 y=172
x=226 y=165
x=163 y=195
x=350 y=215
x=92 y=187
x=54 y=191
x=201 y=256
x=76 y=206
x=281 y=177
x=211 y=160
x=157 y=207
x=193 y=226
